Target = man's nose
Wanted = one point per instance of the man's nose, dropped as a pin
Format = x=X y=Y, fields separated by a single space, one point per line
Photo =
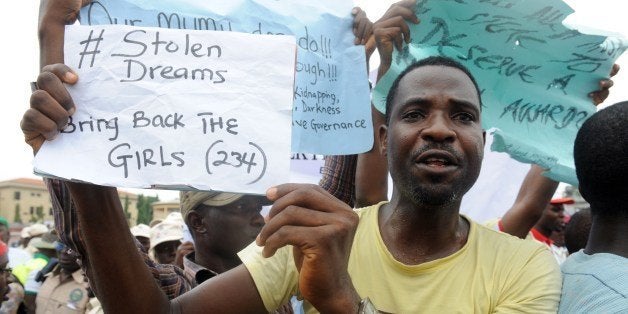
x=438 y=129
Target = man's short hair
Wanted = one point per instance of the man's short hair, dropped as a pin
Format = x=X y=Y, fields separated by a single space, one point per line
x=577 y=231
x=601 y=159
x=434 y=60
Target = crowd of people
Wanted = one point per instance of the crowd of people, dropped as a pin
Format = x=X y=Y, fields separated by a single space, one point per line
x=340 y=246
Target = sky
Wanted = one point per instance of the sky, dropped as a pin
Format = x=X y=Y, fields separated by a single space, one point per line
x=19 y=57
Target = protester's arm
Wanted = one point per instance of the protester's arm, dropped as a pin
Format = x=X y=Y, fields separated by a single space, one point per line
x=54 y=15
x=371 y=176
x=339 y=172
x=391 y=30
x=535 y=193
x=338 y=175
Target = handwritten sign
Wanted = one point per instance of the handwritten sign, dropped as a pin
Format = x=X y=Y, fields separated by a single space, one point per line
x=176 y=109
x=331 y=109
x=534 y=73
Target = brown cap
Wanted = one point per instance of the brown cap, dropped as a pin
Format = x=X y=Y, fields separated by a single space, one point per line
x=191 y=199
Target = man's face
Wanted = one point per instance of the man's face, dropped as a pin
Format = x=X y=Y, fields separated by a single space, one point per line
x=5 y=234
x=145 y=242
x=236 y=225
x=4 y=280
x=553 y=217
x=434 y=140
x=166 y=252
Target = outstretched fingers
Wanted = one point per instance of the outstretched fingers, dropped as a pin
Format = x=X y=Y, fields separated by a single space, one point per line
x=404 y=9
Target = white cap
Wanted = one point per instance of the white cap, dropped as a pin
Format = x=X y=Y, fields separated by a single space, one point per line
x=141 y=230
x=175 y=217
x=33 y=230
x=167 y=230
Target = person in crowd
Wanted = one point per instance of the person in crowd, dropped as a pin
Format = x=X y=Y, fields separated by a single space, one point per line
x=221 y=224
x=577 y=230
x=165 y=238
x=64 y=289
x=17 y=256
x=11 y=291
x=43 y=262
x=142 y=233
x=5 y=232
x=45 y=250
x=552 y=219
x=558 y=248
x=595 y=280
x=29 y=233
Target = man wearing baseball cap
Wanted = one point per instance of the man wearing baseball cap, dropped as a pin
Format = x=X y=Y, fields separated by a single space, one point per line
x=553 y=219
x=142 y=233
x=221 y=224
x=165 y=237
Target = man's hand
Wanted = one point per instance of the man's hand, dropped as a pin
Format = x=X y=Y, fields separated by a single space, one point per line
x=600 y=95
x=183 y=249
x=50 y=106
x=392 y=30
x=320 y=228
x=363 y=31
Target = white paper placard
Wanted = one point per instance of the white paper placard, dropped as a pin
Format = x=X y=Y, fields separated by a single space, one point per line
x=176 y=109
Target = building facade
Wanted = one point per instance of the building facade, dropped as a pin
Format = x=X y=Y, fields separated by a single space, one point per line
x=26 y=200
x=162 y=209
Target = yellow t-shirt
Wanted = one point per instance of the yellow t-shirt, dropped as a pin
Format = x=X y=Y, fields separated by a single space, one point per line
x=493 y=273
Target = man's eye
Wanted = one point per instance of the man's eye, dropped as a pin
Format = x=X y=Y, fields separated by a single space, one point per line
x=413 y=115
x=465 y=117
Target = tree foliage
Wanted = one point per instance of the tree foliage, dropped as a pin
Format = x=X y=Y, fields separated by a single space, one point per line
x=144 y=210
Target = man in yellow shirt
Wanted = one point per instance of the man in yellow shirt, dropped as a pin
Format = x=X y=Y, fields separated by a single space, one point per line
x=415 y=253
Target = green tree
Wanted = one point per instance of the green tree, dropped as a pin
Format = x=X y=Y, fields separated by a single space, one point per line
x=38 y=216
x=18 y=216
x=144 y=210
x=39 y=211
x=126 y=208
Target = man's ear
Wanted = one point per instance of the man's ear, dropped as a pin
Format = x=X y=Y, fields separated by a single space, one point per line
x=195 y=222
x=383 y=139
